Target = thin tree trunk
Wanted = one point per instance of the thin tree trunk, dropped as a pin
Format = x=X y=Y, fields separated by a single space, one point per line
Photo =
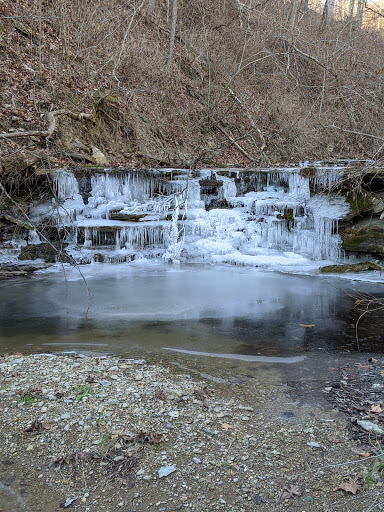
x=359 y=15
x=328 y=12
x=150 y=7
x=293 y=13
x=172 y=33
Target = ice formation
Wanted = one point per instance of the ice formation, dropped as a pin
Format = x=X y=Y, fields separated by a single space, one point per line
x=268 y=217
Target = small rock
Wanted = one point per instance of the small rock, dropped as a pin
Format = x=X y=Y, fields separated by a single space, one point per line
x=313 y=444
x=105 y=382
x=245 y=408
x=99 y=157
x=174 y=414
x=370 y=427
x=196 y=460
x=166 y=470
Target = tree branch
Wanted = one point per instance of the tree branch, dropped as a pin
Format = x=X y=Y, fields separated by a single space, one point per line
x=51 y=118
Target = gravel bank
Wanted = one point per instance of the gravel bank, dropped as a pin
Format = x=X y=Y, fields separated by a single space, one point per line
x=92 y=434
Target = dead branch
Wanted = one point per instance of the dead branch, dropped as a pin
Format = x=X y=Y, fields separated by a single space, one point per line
x=354 y=132
x=235 y=98
x=51 y=118
x=232 y=140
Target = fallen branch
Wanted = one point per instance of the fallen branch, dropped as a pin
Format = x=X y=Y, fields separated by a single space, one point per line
x=237 y=100
x=233 y=141
x=51 y=118
x=355 y=133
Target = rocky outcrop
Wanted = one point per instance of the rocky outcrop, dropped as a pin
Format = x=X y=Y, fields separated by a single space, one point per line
x=353 y=267
x=365 y=236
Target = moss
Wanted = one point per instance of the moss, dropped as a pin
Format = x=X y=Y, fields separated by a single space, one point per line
x=359 y=202
x=365 y=240
x=308 y=171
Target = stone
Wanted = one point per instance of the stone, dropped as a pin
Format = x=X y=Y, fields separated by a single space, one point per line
x=352 y=267
x=98 y=156
x=370 y=427
x=166 y=470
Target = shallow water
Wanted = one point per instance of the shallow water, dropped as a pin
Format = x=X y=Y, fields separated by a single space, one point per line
x=226 y=310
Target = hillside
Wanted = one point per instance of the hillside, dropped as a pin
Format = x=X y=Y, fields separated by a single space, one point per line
x=244 y=84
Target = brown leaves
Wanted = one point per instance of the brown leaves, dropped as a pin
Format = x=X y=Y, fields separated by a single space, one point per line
x=291 y=492
x=309 y=326
x=35 y=427
x=361 y=451
x=129 y=481
x=225 y=426
x=350 y=487
x=160 y=395
x=202 y=393
x=376 y=408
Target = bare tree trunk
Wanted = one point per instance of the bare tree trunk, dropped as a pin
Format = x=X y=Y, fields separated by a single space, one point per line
x=351 y=9
x=172 y=33
x=359 y=15
x=150 y=7
x=293 y=14
x=328 y=12
x=304 y=6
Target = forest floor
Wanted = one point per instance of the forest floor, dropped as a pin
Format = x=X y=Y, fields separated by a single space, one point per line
x=91 y=434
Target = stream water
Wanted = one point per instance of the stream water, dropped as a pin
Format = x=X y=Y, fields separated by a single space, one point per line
x=241 y=311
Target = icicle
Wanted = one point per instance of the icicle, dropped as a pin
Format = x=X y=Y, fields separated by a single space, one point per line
x=34 y=238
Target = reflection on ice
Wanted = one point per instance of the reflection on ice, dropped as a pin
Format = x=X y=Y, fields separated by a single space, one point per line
x=241 y=357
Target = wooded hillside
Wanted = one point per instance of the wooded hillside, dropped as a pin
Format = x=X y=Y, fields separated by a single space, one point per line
x=190 y=83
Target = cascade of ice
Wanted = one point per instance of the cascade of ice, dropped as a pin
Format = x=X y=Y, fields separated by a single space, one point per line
x=66 y=184
x=256 y=217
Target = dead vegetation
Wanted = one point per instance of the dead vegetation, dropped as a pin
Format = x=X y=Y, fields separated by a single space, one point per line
x=242 y=83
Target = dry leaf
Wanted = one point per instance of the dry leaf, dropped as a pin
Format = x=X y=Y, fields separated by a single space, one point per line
x=376 y=408
x=382 y=373
x=225 y=426
x=291 y=492
x=360 y=452
x=307 y=325
x=129 y=481
x=351 y=487
x=335 y=439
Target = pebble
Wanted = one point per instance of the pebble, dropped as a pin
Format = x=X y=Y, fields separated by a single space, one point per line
x=166 y=470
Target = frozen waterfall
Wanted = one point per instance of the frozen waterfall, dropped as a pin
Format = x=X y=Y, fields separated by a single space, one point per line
x=274 y=218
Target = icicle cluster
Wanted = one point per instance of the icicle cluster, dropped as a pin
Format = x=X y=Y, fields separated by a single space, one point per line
x=261 y=217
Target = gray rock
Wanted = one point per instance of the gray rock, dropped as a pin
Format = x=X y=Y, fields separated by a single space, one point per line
x=166 y=470
x=370 y=427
